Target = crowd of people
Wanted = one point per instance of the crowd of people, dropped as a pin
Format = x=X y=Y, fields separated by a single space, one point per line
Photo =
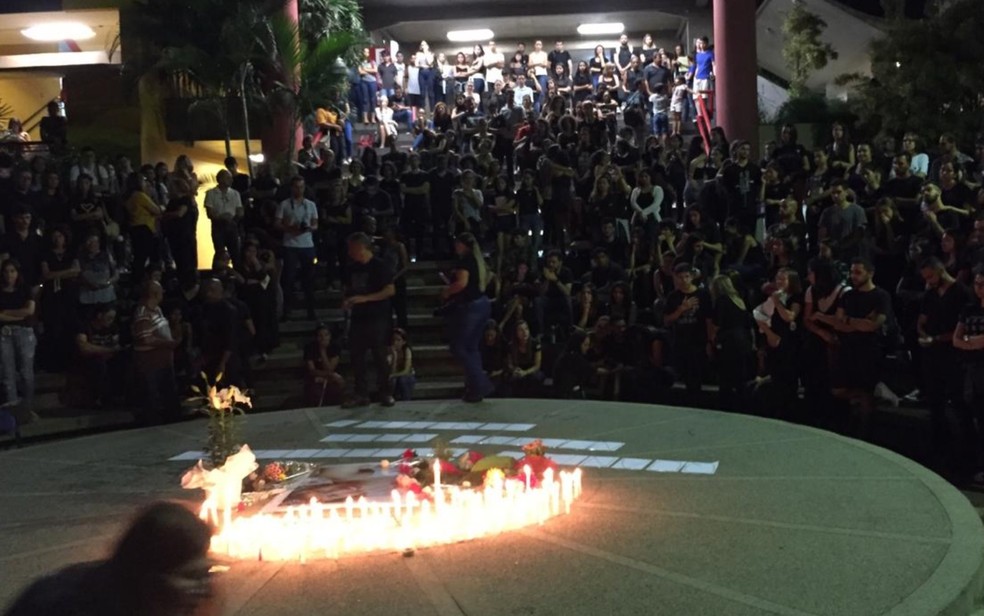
x=602 y=249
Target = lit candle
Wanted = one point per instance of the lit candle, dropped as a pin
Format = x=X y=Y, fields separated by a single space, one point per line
x=437 y=477
x=527 y=471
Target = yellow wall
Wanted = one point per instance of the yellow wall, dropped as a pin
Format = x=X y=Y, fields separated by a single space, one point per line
x=28 y=92
x=207 y=157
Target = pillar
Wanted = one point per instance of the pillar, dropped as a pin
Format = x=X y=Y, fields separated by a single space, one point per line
x=736 y=69
x=276 y=137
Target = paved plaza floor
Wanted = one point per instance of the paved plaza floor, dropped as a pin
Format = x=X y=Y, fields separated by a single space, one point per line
x=684 y=512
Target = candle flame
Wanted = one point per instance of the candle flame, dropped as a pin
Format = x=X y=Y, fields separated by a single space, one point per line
x=317 y=530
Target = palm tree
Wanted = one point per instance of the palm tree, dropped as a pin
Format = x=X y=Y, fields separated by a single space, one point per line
x=297 y=77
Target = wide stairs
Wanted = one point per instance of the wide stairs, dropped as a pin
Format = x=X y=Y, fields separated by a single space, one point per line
x=279 y=382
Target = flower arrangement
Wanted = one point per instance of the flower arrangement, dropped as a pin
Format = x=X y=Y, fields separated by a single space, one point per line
x=416 y=474
x=221 y=406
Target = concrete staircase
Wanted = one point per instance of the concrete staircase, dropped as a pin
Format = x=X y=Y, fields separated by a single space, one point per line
x=278 y=383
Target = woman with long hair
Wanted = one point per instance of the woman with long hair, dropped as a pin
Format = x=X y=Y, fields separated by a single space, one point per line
x=426 y=64
x=840 y=151
x=400 y=358
x=597 y=64
x=470 y=311
x=583 y=84
x=524 y=361
x=820 y=341
x=143 y=216
x=732 y=340
x=368 y=86
x=477 y=69
x=17 y=341
x=918 y=159
x=323 y=385
x=778 y=320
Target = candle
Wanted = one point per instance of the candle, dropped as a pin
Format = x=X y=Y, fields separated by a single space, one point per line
x=437 y=477
x=527 y=471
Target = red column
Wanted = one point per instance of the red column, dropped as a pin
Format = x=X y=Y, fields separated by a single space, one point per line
x=276 y=137
x=736 y=69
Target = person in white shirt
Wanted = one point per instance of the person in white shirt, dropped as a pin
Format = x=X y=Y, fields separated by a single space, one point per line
x=522 y=91
x=297 y=218
x=494 y=61
x=224 y=207
x=413 y=83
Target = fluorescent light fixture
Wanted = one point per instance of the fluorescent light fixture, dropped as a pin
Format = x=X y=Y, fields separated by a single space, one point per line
x=59 y=31
x=467 y=36
x=595 y=29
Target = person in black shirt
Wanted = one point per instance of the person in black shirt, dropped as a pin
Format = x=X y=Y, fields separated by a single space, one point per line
x=468 y=311
x=742 y=181
x=859 y=321
x=219 y=330
x=54 y=128
x=367 y=296
x=416 y=204
x=556 y=293
x=240 y=181
x=968 y=338
x=688 y=313
x=179 y=224
x=559 y=56
x=22 y=244
x=732 y=340
x=938 y=315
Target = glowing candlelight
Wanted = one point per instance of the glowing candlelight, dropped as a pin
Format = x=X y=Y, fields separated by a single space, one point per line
x=402 y=522
x=437 y=475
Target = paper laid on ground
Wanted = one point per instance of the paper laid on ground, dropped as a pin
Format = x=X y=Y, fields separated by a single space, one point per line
x=683 y=466
x=700 y=468
x=666 y=466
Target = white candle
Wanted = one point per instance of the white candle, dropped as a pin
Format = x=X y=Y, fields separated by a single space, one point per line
x=437 y=477
x=527 y=471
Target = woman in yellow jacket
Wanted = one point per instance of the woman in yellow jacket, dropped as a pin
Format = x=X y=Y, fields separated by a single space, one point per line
x=143 y=217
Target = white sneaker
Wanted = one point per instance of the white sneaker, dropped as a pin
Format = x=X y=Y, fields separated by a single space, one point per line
x=884 y=393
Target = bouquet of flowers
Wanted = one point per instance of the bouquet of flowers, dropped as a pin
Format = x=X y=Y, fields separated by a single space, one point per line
x=221 y=406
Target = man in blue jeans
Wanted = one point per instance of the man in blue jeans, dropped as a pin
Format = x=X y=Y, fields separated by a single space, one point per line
x=297 y=218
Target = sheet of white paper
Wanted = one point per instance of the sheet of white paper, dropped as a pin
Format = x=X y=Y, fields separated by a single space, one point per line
x=700 y=468
x=598 y=461
x=666 y=466
x=342 y=423
x=631 y=464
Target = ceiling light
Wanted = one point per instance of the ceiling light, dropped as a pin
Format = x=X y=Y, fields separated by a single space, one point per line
x=467 y=36
x=59 y=31
x=595 y=29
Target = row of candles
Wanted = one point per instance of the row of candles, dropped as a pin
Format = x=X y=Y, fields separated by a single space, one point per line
x=446 y=514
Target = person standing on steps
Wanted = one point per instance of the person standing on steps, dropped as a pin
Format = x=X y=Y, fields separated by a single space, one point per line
x=469 y=310
x=368 y=291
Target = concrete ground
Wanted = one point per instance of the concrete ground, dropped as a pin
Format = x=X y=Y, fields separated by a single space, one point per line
x=793 y=521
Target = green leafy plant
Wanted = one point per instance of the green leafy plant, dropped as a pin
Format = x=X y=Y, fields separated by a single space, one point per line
x=222 y=407
x=925 y=75
x=802 y=49
x=6 y=111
